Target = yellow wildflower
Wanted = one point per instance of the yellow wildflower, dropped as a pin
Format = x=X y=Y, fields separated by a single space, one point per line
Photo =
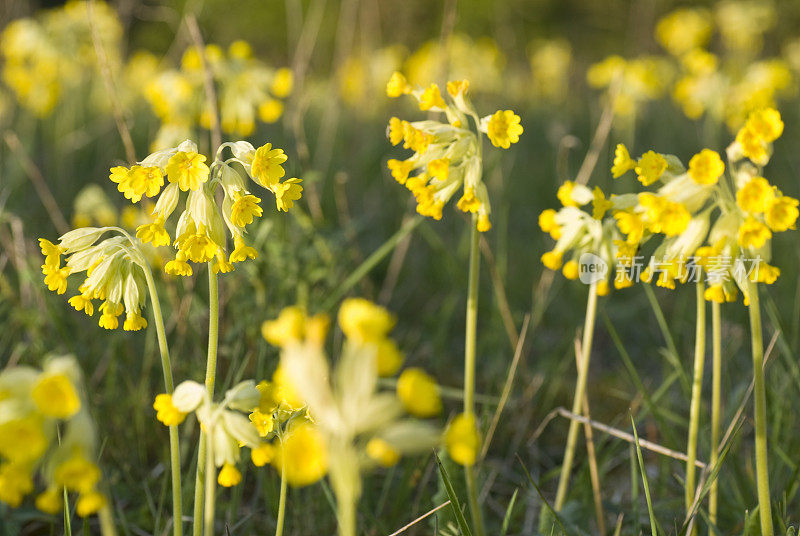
x=229 y=476
x=77 y=474
x=706 y=167
x=650 y=167
x=82 y=303
x=419 y=393
x=15 y=483
x=50 y=501
x=430 y=98
x=622 y=161
x=262 y=421
x=571 y=270
x=244 y=209
x=753 y=233
x=766 y=123
x=166 y=412
x=90 y=503
x=241 y=251
x=600 y=204
x=397 y=85
x=552 y=259
x=462 y=439
x=267 y=166
x=504 y=128
x=179 y=266
x=153 y=233
x=303 y=456
x=188 y=170
x=382 y=452
x=782 y=213
x=362 y=320
x=283 y=83
x=755 y=196
x=286 y=193
x=55 y=396
x=262 y=455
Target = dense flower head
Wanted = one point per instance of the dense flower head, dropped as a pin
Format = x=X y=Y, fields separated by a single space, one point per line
x=114 y=274
x=447 y=155
x=698 y=221
x=46 y=428
x=203 y=228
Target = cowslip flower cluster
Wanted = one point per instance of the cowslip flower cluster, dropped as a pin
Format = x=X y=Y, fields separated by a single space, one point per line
x=51 y=54
x=447 y=156
x=200 y=231
x=34 y=406
x=730 y=85
x=701 y=219
x=114 y=268
x=247 y=89
x=631 y=82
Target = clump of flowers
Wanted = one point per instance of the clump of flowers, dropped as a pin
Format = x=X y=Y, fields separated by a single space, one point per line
x=630 y=82
x=360 y=426
x=51 y=54
x=248 y=90
x=447 y=155
x=34 y=406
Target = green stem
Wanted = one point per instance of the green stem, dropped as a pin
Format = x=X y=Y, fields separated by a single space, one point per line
x=697 y=390
x=470 y=335
x=210 y=492
x=106 y=521
x=580 y=392
x=760 y=417
x=281 y=501
x=174 y=440
x=716 y=395
x=346 y=516
x=369 y=263
x=211 y=375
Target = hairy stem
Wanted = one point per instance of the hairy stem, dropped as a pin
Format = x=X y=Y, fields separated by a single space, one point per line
x=716 y=390
x=697 y=390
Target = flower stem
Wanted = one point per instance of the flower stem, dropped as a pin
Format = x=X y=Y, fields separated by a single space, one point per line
x=716 y=390
x=580 y=392
x=281 y=501
x=470 y=334
x=346 y=517
x=210 y=491
x=697 y=390
x=174 y=440
x=760 y=417
x=106 y=521
x=211 y=375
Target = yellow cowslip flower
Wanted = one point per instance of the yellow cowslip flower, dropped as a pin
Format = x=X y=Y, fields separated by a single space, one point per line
x=684 y=30
x=77 y=474
x=431 y=98
x=244 y=209
x=382 y=452
x=166 y=412
x=753 y=233
x=262 y=455
x=52 y=253
x=270 y=110
x=362 y=320
x=56 y=278
x=552 y=259
x=137 y=181
x=765 y=273
x=50 y=501
x=600 y=205
x=229 y=476
x=179 y=266
x=547 y=223
x=631 y=225
x=397 y=85
x=267 y=166
x=388 y=357
x=134 y=322
x=55 y=396
x=503 y=128
x=782 y=213
x=622 y=161
x=287 y=192
x=396 y=131
x=462 y=439
x=198 y=247
x=262 y=421
x=241 y=251
x=22 y=439
x=603 y=288
x=469 y=203
x=650 y=167
x=187 y=169
x=15 y=483
x=571 y=270
x=302 y=456
x=153 y=233
x=755 y=196
x=419 y=393
x=766 y=123
x=283 y=83
x=706 y=167
x=90 y=503
x=572 y=194
x=400 y=169
x=662 y=215
x=288 y=327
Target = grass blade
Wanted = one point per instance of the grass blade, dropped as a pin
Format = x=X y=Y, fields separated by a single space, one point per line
x=507 y=517
x=454 y=502
x=650 y=513
x=541 y=496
